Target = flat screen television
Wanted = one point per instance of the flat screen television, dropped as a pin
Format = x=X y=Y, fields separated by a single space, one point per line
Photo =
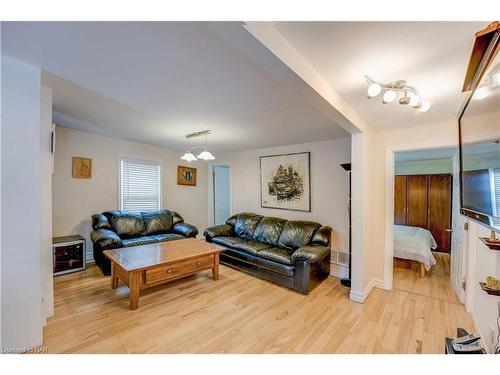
x=479 y=130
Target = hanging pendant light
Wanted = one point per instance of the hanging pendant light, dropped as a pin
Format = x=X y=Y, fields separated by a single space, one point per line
x=203 y=155
x=188 y=156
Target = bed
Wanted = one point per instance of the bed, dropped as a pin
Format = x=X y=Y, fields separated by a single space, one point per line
x=414 y=243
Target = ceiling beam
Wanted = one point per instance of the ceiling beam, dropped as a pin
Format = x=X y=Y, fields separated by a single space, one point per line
x=339 y=110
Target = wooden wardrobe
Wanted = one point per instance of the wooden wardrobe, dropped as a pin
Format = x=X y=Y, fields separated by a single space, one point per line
x=425 y=201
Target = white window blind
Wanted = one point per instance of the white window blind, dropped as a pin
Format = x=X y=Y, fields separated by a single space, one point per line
x=140 y=185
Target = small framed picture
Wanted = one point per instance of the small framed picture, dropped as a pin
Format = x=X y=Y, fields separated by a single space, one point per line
x=82 y=167
x=186 y=176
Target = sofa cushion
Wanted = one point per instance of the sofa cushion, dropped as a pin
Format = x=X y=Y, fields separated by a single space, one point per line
x=250 y=246
x=144 y=240
x=245 y=225
x=99 y=221
x=277 y=254
x=167 y=237
x=232 y=220
x=269 y=230
x=127 y=223
x=297 y=233
x=227 y=241
x=158 y=221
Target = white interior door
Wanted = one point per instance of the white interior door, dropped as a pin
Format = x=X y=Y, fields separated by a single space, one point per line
x=458 y=237
x=221 y=187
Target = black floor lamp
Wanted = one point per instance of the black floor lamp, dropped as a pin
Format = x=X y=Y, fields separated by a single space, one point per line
x=347 y=168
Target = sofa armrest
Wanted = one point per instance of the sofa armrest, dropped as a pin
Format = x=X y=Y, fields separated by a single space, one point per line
x=223 y=230
x=311 y=254
x=105 y=239
x=185 y=229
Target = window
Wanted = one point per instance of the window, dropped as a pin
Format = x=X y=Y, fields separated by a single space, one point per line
x=140 y=185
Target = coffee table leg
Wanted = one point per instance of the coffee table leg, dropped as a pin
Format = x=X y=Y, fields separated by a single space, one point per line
x=114 y=278
x=215 y=270
x=134 y=285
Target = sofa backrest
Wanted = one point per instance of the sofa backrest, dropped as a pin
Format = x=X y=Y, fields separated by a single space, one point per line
x=245 y=225
x=297 y=233
x=128 y=224
x=268 y=230
x=276 y=231
x=159 y=221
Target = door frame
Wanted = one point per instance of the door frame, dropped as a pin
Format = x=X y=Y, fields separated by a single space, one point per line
x=210 y=180
x=389 y=199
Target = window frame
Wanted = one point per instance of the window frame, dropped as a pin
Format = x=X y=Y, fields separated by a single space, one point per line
x=121 y=157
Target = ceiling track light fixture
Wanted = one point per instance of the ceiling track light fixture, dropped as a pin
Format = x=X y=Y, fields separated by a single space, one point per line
x=408 y=94
x=203 y=155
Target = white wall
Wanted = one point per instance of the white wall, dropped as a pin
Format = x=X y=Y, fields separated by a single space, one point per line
x=222 y=193
x=21 y=206
x=46 y=203
x=329 y=184
x=76 y=200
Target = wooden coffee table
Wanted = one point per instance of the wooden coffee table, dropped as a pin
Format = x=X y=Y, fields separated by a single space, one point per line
x=144 y=266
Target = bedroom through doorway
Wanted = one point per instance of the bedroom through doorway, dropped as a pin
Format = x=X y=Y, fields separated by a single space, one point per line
x=426 y=232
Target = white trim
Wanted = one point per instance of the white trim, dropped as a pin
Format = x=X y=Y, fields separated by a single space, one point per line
x=210 y=181
x=389 y=199
x=361 y=297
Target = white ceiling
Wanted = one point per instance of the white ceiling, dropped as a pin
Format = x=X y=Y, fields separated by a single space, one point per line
x=154 y=82
x=431 y=56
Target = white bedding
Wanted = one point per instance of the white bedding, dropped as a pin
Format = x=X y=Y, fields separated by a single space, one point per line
x=415 y=244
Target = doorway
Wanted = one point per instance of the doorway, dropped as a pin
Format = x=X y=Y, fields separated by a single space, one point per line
x=423 y=193
x=221 y=187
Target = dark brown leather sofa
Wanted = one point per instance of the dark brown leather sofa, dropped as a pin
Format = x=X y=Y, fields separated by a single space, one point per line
x=293 y=253
x=115 y=229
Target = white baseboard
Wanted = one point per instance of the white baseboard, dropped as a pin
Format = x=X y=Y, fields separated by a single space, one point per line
x=361 y=297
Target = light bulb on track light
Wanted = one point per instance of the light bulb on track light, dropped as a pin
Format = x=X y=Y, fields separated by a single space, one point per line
x=426 y=105
x=389 y=96
x=373 y=90
x=414 y=99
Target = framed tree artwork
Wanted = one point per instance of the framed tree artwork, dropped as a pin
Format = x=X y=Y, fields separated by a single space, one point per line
x=285 y=181
x=186 y=176
x=82 y=167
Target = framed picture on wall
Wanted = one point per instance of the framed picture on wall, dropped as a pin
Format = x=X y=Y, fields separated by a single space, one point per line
x=82 y=167
x=186 y=176
x=285 y=181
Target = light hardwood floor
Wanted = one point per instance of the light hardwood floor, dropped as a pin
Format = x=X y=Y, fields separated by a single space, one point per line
x=435 y=284
x=243 y=314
